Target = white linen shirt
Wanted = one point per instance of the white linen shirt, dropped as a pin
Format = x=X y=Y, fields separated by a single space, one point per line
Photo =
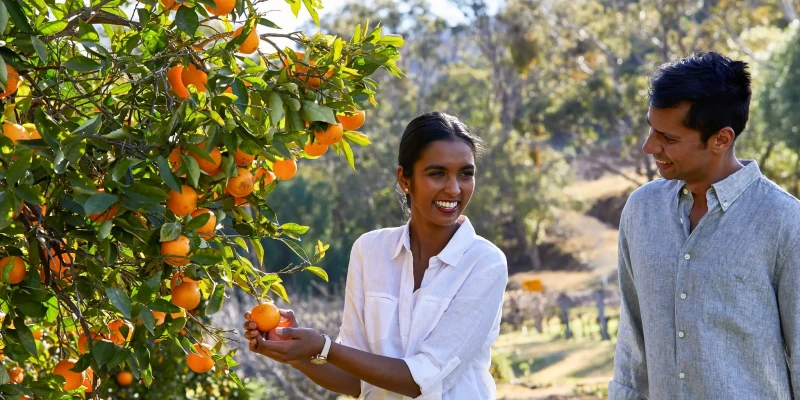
x=444 y=332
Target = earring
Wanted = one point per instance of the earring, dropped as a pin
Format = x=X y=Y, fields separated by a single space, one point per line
x=405 y=190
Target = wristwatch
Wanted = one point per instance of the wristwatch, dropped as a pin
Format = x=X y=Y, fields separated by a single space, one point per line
x=322 y=357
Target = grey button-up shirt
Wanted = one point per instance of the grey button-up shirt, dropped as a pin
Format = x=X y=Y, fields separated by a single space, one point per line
x=711 y=314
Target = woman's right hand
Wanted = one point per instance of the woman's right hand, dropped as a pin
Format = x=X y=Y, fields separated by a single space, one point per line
x=289 y=320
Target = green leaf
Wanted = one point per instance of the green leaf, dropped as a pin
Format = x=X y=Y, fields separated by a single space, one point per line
x=3 y=22
x=318 y=272
x=3 y=72
x=259 y=250
x=29 y=194
x=163 y=305
x=268 y=23
x=82 y=64
x=145 y=194
x=88 y=128
x=20 y=167
x=392 y=40
x=4 y=378
x=197 y=221
x=186 y=20
x=357 y=138
x=120 y=300
x=207 y=256
x=312 y=11
x=121 y=89
x=278 y=289
x=25 y=335
x=166 y=174
x=15 y=10
x=105 y=229
x=348 y=153
x=337 y=49
x=295 y=4
x=120 y=356
x=275 y=108
x=99 y=202
x=192 y=168
x=314 y=112
x=40 y=47
x=148 y=320
x=295 y=248
x=52 y=27
x=294 y=228
x=170 y=231
x=216 y=299
x=103 y=350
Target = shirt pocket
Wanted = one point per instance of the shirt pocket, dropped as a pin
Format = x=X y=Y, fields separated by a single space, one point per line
x=737 y=295
x=380 y=313
x=427 y=313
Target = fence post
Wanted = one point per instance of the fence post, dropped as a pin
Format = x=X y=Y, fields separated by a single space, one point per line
x=601 y=314
x=564 y=303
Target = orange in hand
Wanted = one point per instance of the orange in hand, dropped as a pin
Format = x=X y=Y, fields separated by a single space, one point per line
x=266 y=316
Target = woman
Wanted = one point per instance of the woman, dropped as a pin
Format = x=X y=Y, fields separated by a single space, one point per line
x=423 y=301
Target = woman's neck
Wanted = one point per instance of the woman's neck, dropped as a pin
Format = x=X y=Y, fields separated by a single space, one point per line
x=428 y=240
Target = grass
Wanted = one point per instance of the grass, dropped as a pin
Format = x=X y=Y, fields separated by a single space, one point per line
x=547 y=365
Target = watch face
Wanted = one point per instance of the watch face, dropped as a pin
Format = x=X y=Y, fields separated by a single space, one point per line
x=318 y=360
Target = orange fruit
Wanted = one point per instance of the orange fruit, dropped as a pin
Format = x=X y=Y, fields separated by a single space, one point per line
x=285 y=169
x=74 y=379
x=263 y=173
x=239 y=201
x=171 y=4
x=333 y=134
x=162 y=316
x=284 y=323
x=266 y=316
x=38 y=334
x=15 y=132
x=176 y=251
x=186 y=295
x=16 y=374
x=354 y=121
x=175 y=160
x=315 y=149
x=109 y=213
x=124 y=378
x=87 y=383
x=193 y=76
x=17 y=269
x=59 y=263
x=243 y=159
x=175 y=80
x=180 y=276
x=206 y=231
x=209 y=167
x=223 y=7
x=115 y=329
x=183 y=203
x=12 y=82
x=201 y=362
x=83 y=341
x=250 y=44
x=240 y=185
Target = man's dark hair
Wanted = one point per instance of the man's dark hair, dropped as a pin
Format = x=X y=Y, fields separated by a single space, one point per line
x=717 y=87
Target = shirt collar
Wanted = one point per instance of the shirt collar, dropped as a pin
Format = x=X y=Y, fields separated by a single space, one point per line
x=731 y=188
x=455 y=248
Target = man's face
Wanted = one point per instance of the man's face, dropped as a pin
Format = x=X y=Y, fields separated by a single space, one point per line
x=679 y=151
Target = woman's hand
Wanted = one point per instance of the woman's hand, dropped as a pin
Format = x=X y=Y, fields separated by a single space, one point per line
x=301 y=345
x=251 y=332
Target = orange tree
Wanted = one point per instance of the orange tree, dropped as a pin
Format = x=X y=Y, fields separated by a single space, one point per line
x=140 y=145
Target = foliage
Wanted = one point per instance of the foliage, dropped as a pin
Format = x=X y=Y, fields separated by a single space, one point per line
x=113 y=132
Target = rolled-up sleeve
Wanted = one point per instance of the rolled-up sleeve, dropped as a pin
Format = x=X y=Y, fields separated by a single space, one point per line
x=630 y=364
x=789 y=307
x=351 y=332
x=463 y=328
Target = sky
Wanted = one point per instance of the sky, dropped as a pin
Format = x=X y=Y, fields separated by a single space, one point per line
x=280 y=13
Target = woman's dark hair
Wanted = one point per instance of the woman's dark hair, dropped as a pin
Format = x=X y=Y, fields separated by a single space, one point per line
x=426 y=129
x=717 y=87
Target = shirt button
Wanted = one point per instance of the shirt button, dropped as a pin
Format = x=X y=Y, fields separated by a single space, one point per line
x=725 y=204
x=681 y=334
x=686 y=256
x=681 y=375
x=683 y=296
x=685 y=191
x=681 y=221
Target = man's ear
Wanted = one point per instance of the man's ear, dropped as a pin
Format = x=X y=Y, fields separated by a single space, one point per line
x=723 y=140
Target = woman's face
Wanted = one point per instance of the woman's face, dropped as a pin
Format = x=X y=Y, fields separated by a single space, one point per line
x=442 y=182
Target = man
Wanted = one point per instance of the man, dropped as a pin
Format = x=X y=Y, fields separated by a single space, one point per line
x=709 y=256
